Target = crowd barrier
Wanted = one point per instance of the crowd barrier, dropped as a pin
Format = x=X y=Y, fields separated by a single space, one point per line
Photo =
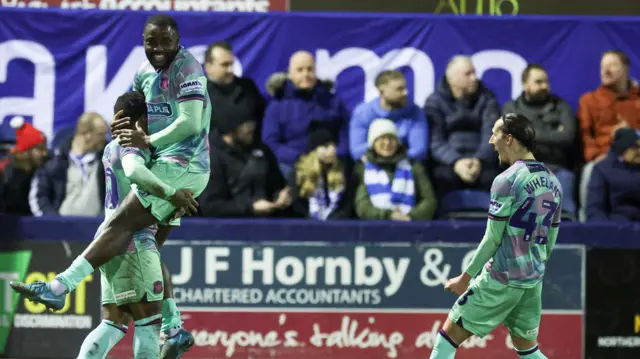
x=82 y=60
x=342 y=290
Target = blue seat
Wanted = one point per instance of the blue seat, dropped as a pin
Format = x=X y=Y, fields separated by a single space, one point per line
x=464 y=204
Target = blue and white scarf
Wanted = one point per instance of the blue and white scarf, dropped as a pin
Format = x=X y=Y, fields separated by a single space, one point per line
x=397 y=195
x=319 y=207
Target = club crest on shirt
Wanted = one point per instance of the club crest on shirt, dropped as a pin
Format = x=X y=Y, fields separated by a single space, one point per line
x=164 y=82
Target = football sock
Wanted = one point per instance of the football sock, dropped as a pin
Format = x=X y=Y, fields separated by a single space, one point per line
x=70 y=278
x=171 y=322
x=102 y=339
x=533 y=353
x=445 y=348
x=146 y=337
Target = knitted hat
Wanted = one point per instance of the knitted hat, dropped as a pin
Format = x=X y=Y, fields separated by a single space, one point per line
x=379 y=128
x=624 y=139
x=319 y=135
x=27 y=136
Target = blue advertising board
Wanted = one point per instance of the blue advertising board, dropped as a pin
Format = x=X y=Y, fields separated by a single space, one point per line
x=318 y=275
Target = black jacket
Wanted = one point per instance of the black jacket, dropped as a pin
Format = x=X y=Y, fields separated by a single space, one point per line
x=461 y=128
x=614 y=191
x=556 y=129
x=238 y=179
x=240 y=98
x=15 y=185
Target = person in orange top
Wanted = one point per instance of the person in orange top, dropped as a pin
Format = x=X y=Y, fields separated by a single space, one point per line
x=615 y=104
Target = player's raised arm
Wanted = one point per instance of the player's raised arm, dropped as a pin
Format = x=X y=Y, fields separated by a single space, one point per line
x=190 y=107
x=134 y=167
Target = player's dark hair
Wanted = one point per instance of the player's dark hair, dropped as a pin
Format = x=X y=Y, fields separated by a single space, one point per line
x=132 y=104
x=521 y=128
x=528 y=69
x=221 y=44
x=162 y=20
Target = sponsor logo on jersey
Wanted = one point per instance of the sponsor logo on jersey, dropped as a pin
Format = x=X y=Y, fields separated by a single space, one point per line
x=494 y=206
x=159 y=109
x=190 y=86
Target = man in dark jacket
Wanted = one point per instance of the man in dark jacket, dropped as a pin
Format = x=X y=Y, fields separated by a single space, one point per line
x=297 y=101
x=245 y=178
x=462 y=112
x=18 y=168
x=231 y=96
x=71 y=182
x=614 y=187
x=556 y=128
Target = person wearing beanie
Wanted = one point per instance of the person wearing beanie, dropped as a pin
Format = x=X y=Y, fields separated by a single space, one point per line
x=393 y=103
x=71 y=182
x=245 y=177
x=19 y=167
x=614 y=187
x=319 y=181
x=390 y=184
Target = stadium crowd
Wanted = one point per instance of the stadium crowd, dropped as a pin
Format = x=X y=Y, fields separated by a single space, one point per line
x=297 y=152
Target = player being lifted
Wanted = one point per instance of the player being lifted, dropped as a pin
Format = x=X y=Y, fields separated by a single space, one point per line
x=132 y=282
x=179 y=113
x=524 y=214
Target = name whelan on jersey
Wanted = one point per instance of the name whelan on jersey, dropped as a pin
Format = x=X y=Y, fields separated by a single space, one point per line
x=542 y=182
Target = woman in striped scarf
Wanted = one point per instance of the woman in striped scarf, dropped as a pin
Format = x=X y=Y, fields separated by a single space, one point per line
x=320 y=187
x=391 y=186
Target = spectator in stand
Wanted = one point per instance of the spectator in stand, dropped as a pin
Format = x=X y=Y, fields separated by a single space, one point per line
x=297 y=100
x=462 y=112
x=390 y=185
x=319 y=182
x=231 y=96
x=614 y=188
x=392 y=104
x=71 y=182
x=611 y=106
x=245 y=177
x=555 y=125
x=18 y=168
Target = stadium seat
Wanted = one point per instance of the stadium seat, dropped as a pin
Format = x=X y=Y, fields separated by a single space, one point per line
x=464 y=204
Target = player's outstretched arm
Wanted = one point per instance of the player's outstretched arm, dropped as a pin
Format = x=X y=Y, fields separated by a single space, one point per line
x=135 y=169
x=488 y=246
x=187 y=124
